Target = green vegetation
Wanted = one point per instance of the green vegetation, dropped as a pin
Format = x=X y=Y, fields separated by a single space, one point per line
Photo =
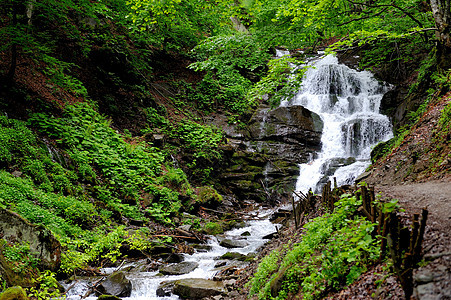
x=334 y=250
x=107 y=102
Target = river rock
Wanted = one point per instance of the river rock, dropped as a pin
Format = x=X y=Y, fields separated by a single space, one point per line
x=14 y=293
x=165 y=289
x=108 y=297
x=14 y=228
x=175 y=258
x=270 y=236
x=116 y=284
x=180 y=268
x=197 y=288
x=233 y=255
x=230 y=243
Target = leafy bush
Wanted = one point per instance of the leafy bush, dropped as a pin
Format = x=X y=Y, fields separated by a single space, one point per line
x=333 y=252
x=234 y=61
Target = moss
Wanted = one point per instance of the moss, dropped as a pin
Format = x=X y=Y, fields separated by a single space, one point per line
x=208 y=196
x=14 y=293
x=213 y=228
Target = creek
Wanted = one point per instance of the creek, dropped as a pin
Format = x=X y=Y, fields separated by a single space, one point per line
x=347 y=101
x=145 y=284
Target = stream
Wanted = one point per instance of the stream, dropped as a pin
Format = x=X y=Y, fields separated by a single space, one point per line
x=348 y=103
x=145 y=284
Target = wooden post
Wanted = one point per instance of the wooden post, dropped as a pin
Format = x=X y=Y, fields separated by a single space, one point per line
x=419 y=241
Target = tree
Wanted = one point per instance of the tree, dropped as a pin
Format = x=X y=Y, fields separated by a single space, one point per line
x=442 y=16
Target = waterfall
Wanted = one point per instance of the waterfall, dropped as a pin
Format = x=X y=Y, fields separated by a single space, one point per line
x=348 y=102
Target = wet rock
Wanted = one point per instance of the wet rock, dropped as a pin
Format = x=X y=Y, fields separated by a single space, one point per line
x=233 y=255
x=246 y=233
x=108 y=297
x=185 y=227
x=270 y=236
x=230 y=243
x=14 y=293
x=14 y=228
x=180 y=268
x=116 y=285
x=425 y=277
x=197 y=288
x=165 y=289
x=202 y=248
x=175 y=258
x=220 y=264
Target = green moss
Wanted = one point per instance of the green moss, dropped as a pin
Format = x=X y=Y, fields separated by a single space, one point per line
x=208 y=196
x=213 y=228
x=14 y=293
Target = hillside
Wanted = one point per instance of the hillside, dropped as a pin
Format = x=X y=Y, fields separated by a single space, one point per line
x=129 y=129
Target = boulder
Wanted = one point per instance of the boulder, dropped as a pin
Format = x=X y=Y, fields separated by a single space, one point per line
x=116 y=284
x=230 y=243
x=14 y=293
x=180 y=268
x=197 y=288
x=42 y=243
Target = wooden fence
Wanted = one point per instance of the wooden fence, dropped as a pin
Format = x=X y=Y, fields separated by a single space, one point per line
x=401 y=242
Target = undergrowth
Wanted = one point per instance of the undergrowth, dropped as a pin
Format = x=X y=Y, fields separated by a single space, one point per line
x=334 y=251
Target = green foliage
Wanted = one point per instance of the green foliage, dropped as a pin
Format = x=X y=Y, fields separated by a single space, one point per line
x=235 y=60
x=22 y=260
x=333 y=252
x=19 y=146
x=282 y=81
x=200 y=142
x=176 y=24
x=47 y=287
x=55 y=211
x=129 y=168
x=444 y=123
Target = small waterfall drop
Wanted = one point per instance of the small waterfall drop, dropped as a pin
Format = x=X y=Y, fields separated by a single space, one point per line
x=348 y=102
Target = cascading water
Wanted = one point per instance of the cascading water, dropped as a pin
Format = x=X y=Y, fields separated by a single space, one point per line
x=348 y=102
x=145 y=284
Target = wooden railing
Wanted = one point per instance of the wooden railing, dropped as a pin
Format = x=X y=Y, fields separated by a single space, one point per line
x=402 y=241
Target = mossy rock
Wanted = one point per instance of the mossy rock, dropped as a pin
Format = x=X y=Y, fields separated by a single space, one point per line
x=213 y=228
x=208 y=196
x=14 y=293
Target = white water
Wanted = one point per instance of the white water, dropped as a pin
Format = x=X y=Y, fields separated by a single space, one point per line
x=145 y=284
x=348 y=102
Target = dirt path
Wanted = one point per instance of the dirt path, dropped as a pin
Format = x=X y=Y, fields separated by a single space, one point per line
x=433 y=281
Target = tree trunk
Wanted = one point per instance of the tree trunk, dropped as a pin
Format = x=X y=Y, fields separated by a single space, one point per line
x=12 y=68
x=442 y=16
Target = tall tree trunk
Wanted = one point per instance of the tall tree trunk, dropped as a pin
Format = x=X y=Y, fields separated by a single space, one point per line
x=441 y=9
x=12 y=68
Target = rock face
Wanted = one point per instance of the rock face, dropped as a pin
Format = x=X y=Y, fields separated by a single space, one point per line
x=180 y=268
x=116 y=285
x=265 y=156
x=14 y=228
x=196 y=288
